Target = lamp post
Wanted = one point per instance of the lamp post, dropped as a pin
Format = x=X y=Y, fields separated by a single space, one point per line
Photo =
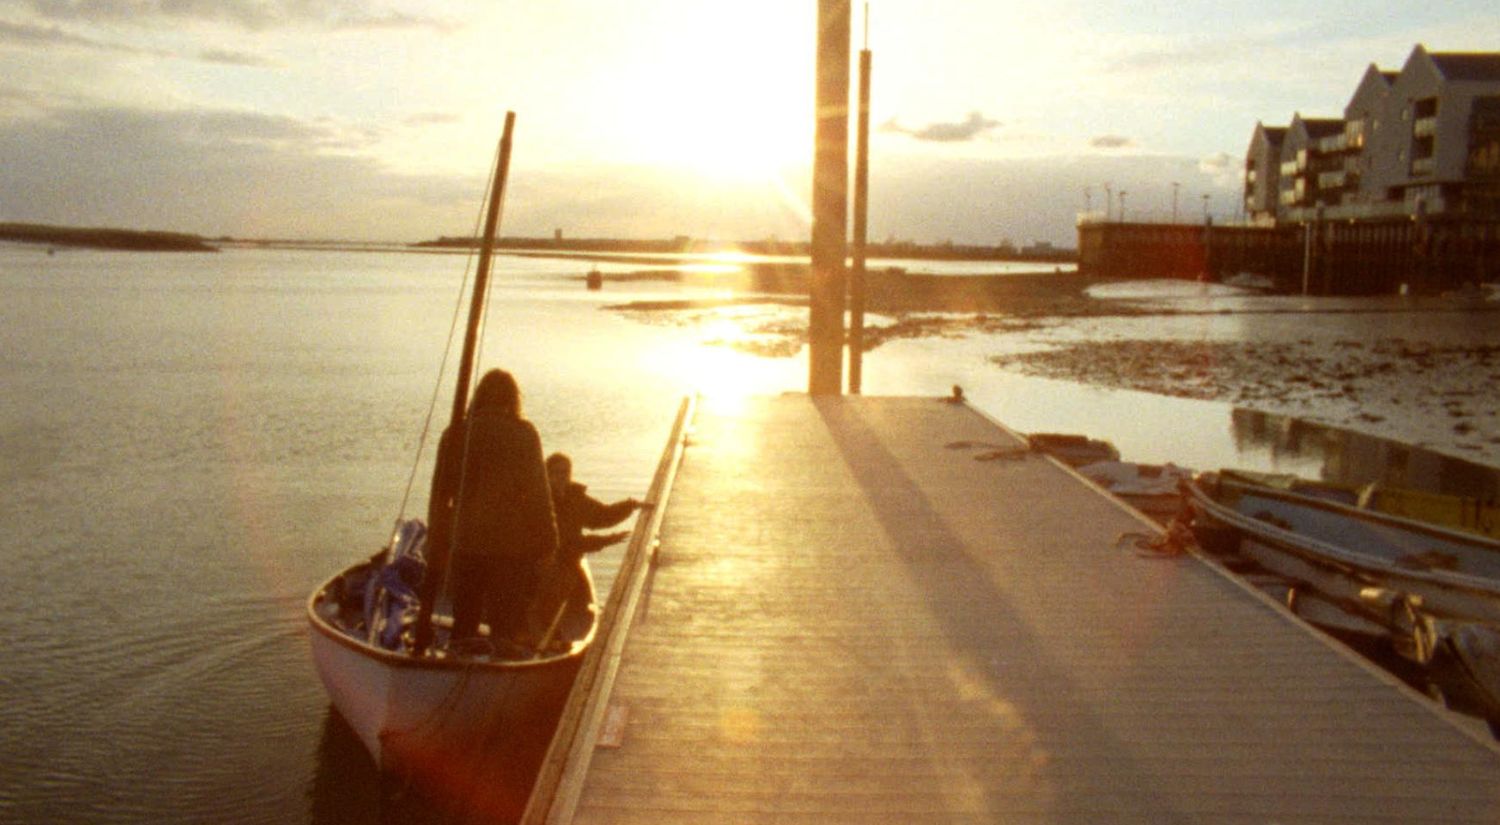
x=1175 y=184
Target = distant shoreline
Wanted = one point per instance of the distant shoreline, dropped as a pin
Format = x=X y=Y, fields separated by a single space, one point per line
x=103 y=238
x=1018 y=295
x=581 y=247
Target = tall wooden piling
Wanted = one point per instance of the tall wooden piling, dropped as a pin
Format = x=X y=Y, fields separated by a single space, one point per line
x=830 y=198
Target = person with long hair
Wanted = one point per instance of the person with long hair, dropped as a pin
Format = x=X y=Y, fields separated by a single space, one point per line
x=504 y=528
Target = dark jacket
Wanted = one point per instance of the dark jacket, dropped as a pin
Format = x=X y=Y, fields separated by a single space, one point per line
x=504 y=507
x=577 y=511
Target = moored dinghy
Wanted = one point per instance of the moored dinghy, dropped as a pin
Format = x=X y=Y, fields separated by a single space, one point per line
x=1344 y=551
x=1434 y=592
x=451 y=716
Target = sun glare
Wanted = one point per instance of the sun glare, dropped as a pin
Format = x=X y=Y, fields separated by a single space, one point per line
x=736 y=105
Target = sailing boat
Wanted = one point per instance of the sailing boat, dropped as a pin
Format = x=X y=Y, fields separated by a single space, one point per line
x=424 y=708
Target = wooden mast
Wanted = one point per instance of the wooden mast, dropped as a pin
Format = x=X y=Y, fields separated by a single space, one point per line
x=482 y=278
x=440 y=508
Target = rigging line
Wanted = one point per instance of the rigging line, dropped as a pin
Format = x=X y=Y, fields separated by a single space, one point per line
x=448 y=347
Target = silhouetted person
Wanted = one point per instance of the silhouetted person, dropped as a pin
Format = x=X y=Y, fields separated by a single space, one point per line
x=505 y=531
x=578 y=511
x=567 y=588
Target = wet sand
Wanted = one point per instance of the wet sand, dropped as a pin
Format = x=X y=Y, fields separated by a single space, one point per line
x=1422 y=370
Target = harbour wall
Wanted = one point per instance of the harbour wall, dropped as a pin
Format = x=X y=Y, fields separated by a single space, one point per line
x=1331 y=257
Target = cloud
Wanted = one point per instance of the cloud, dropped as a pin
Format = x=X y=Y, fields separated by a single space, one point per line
x=1111 y=142
x=34 y=35
x=254 y=15
x=216 y=172
x=31 y=35
x=1177 y=57
x=976 y=125
x=1223 y=168
x=390 y=20
x=431 y=119
x=229 y=57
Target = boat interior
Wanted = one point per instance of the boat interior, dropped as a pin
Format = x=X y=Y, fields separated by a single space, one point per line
x=358 y=606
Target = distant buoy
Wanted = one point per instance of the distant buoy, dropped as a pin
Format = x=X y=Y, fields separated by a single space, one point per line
x=595 y=280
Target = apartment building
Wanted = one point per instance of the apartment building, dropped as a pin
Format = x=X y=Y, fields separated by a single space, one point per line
x=1311 y=156
x=1263 y=174
x=1424 y=140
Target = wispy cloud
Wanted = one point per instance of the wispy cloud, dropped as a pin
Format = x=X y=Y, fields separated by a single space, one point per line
x=975 y=126
x=1111 y=142
x=254 y=15
x=47 y=36
x=1223 y=168
x=1177 y=57
x=216 y=171
x=390 y=20
x=230 y=57
x=431 y=119
x=39 y=35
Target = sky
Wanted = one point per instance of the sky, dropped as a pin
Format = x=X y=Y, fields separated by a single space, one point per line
x=992 y=120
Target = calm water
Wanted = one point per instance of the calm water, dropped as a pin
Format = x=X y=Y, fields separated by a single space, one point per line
x=190 y=443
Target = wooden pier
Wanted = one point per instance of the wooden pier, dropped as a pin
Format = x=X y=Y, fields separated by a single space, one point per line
x=866 y=610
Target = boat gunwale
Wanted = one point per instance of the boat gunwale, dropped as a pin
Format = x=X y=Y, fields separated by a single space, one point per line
x=405 y=660
x=1325 y=554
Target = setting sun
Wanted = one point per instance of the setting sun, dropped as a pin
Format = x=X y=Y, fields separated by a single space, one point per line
x=726 y=108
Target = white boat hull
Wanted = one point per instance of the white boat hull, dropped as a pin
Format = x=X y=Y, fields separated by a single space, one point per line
x=421 y=715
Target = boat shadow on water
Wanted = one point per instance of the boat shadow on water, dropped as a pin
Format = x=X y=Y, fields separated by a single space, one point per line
x=347 y=787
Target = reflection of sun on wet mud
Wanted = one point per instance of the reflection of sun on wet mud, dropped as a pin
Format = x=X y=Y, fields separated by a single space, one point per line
x=1333 y=360
x=779 y=330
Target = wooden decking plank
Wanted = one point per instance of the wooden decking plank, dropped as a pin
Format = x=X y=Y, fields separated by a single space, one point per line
x=853 y=619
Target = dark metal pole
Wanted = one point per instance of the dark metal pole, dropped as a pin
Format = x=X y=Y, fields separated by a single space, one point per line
x=861 y=227
x=830 y=205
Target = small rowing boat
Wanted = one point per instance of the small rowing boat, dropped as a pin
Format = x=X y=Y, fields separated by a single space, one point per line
x=1346 y=552
x=418 y=714
x=1432 y=593
x=451 y=716
x=1457 y=512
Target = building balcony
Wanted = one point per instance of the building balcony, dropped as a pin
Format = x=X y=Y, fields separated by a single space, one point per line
x=1333 y=144
x=1424 y=127
x=1423 y=166
x=1336 y=179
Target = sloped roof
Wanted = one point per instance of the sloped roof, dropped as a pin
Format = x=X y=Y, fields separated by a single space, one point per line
x=1468 y=66
x=1274 y=134
x=1318 y=127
